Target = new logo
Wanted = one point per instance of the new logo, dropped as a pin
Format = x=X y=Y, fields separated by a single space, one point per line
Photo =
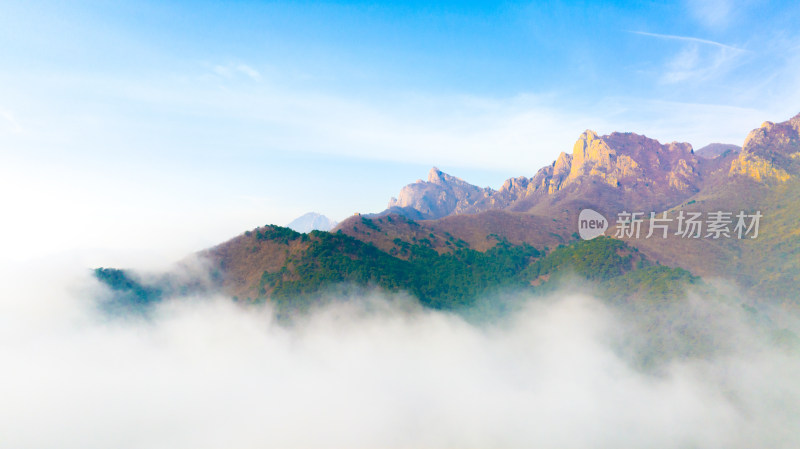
x=591 y=224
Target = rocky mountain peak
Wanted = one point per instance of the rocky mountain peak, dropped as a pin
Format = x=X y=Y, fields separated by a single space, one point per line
x=617 y=164
x=439 y=196
x=774 y=138
x=618 y=168
x=770 y=152
x=436 y=176
x=590 y=149
x=625 y=159
x=588 y=135
x=562 y=165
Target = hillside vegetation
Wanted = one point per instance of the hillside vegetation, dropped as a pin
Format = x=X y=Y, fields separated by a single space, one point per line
x=449 y=279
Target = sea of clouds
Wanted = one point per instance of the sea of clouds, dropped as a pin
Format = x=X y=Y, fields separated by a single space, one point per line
x=377 y=371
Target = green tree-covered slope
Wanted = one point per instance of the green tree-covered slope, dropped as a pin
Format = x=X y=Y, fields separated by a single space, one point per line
x=449 y=278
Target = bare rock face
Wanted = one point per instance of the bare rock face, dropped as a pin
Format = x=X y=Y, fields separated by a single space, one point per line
x=623 y=161
x=757 y=168
x=624 y=169
x=561 y=171
x=774 y=139
x=440 y=195
x=770 y=152
x=591 y=156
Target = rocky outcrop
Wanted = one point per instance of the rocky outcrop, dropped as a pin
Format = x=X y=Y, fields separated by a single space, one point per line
x=439 y=196
x=770 y=152
x=591 y=156
x=757 y=168
x=562 y=168
x=623 y=161
x=774 y=139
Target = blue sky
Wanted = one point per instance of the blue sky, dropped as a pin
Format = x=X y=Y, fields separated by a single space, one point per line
x=164 y=127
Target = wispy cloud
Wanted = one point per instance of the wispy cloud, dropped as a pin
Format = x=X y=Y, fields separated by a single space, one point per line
x=698 y=60
x=695 y=40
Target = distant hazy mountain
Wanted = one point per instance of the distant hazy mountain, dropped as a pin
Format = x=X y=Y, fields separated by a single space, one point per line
x=713 y=150
x=312 y=221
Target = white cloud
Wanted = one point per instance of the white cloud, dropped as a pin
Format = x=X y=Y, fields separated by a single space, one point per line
x=693 y=64
x=690 y=39
x=372 y=372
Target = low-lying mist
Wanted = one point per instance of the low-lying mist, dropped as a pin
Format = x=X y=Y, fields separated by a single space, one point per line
x=378 y=371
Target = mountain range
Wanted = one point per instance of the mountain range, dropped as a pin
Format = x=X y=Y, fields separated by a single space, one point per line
x=447 y=241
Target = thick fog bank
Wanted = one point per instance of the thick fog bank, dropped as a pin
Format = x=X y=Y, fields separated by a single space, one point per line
x=372 y=372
